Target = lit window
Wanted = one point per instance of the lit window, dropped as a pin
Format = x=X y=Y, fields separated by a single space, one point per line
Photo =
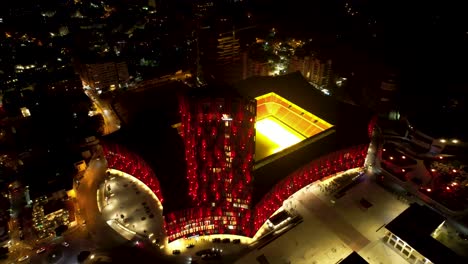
x=25 y=112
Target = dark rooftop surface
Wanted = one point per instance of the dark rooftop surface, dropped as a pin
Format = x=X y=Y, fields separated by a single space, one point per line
x=415 y=225
x=296 y=89
x=353 y=258
x=440 y=115
x=53 y=206
x=267 y=176
x=214 y=89
x=148 y=116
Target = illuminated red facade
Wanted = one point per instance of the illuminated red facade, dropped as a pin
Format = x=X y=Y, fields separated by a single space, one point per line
x=219 y=134
x=328 y=165
x=123 y=160
x=225 y=219
x=371 y=126
x=219 y=138
x=208 y=221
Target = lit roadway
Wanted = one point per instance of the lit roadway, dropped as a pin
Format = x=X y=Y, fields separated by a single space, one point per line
x=77 y=238
x=18 y=247
x=90 y=230
x=148 y=84
x=111 y=121
x=86 y=191
x=96 y=223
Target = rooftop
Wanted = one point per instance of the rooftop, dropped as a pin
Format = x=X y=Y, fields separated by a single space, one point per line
x=415 y=226
x=439 y=115
x=293 y=87
x=148 y=116
x=53 y=206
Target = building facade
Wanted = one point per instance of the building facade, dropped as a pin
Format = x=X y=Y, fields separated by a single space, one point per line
x=219 y=136
x=315 y=70
x=228 y=49
x=104 y=76
x=251 y=67
x=219 y=139
x=50 y=213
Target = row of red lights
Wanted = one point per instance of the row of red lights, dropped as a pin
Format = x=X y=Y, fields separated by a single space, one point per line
x=222 y=220
x=206 y=150
x=333 y=163
x=371 y=125
x=123 y=160
x=179 y=223
x=218 y=165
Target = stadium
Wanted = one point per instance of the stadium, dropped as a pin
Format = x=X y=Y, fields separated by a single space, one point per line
x=246 y=151
x=281 y=124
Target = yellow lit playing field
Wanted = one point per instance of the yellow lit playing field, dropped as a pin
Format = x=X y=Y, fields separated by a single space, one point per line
x=273 y=136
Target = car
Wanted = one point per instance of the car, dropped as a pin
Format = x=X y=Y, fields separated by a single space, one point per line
x=65 y=244
x=41 y=250
x=23 y=258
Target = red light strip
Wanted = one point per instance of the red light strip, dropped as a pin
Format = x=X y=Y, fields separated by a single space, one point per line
x=123 y=160
x=206 y=221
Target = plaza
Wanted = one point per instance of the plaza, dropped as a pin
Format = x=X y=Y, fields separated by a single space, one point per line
x=333 y=228
x=130 y=208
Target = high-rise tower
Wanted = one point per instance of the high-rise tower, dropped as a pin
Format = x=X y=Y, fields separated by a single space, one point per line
x=218 y=128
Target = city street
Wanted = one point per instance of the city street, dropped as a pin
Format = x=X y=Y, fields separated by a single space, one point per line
x=87 y=201
x=77 y=239
x=111 y=121
x=153 y=83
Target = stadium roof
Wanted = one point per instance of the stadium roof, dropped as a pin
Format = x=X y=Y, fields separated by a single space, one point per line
x=350 y=125
x=296 y=89
x=415 y=226
x=149 y=114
